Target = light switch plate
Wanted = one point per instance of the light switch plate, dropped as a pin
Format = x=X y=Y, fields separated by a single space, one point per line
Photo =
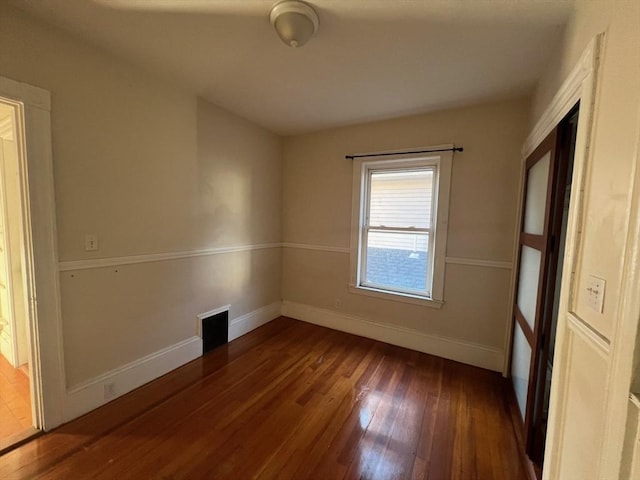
x=595 y=293
x=91 y=242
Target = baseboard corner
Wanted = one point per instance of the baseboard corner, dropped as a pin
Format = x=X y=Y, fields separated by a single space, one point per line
x=453 y=349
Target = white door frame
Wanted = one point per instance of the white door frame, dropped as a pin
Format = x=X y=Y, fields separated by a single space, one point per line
x=581 y=85
x=33 y=107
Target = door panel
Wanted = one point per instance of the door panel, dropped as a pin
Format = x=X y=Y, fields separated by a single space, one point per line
x=536 y=200
x=557 y=225
x=547 y=177
x=528 y=280
x=520 y=367
x=585 y=407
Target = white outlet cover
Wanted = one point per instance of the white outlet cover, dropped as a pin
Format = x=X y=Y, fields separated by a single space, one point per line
x=595 y=293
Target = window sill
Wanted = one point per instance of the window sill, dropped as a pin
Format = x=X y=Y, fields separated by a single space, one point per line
x=396 y=297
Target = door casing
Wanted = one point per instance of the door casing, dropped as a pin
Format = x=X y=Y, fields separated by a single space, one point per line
x=33 y=108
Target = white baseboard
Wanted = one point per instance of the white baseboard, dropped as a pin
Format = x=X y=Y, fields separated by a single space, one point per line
x=453 y=349
x=90 y=394
x=252 y=320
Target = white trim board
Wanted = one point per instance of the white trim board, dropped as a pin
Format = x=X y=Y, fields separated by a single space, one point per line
x=28 y=94
x=570 y=92
x=88 y=264
x=461 y=351
x=588 y=335
x=159 y=257
x=90 y=394
x=252 y=320
x=319 y=248
x=215 y=311
x=472 y=262
x=630 y=467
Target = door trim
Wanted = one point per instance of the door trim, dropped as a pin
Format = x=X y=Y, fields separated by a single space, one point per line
x=623 y=343
x=43 y=289
x=579 y=86
x=580 y=82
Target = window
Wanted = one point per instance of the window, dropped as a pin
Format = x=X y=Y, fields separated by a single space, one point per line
x=400 y=224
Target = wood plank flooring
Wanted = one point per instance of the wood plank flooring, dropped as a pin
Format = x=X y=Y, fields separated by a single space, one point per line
x=15 y=402
x=291 y=400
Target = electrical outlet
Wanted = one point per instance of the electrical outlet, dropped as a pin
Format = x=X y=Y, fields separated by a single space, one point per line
x=90 y=242
x=595 y=293
x=109 y=390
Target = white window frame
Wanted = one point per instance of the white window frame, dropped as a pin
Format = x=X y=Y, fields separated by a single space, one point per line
x=369 y=169
x=362 y=168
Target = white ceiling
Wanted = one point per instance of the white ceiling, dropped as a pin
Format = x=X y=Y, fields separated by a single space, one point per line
x=371 y=59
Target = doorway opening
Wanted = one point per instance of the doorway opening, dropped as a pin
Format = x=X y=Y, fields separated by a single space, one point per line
x=18 y=419
x=548 y=179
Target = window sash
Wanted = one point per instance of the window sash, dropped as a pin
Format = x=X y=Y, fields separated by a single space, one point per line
x=366 y=228
x=371 y=170
x=394 y=288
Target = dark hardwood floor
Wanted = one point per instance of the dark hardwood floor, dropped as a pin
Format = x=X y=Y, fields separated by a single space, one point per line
x=291 y=400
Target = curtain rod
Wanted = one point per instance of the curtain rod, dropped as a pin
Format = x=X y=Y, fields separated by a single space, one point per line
x=454 y=149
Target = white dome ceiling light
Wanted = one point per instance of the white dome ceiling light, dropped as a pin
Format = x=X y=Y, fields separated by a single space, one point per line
x=295 y=22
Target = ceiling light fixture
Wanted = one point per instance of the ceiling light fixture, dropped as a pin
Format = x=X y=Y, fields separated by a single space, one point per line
x=295 y=22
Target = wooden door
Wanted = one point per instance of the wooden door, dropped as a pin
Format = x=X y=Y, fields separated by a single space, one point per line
x=534 y=274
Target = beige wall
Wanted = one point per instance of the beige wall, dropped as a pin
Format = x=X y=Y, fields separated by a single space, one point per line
x=124 y=143
x=149 y=169
x=585 y=371
x=614 y=140
x=239 y=180
x=484 y=193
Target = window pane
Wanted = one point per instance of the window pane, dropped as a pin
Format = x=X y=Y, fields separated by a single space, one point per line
x=528 y=283
x=401 y=199
x=397 y=260
x=536 y=196
x=520 y=363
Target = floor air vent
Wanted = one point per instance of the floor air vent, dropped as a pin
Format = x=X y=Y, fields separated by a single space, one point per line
x=215 y=329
